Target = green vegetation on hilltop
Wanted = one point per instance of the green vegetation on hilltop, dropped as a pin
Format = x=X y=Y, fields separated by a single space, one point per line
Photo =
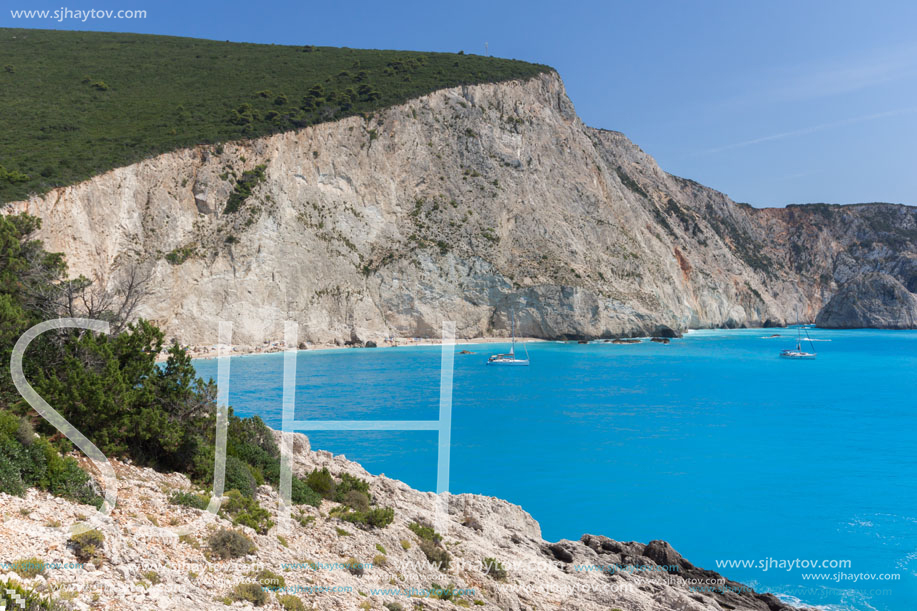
x=76 y=104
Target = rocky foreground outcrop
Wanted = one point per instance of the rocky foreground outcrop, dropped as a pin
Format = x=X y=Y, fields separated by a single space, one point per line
x=461 y=205
x=873 y=300
x=144 y=565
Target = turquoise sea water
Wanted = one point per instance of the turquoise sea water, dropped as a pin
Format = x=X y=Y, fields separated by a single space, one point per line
x=712 y=443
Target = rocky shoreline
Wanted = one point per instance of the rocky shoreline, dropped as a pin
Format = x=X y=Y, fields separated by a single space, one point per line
x=144 y=565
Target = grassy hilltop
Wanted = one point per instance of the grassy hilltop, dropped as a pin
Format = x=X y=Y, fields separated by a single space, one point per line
x=75 y=104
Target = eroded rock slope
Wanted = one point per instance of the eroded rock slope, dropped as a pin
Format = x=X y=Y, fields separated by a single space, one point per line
x=460 y=205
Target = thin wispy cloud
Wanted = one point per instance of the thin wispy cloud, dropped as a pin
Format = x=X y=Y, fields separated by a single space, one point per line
x=826 y=78
x=876 y=68
x=810 y=130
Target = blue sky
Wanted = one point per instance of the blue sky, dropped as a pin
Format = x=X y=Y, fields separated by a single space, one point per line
x=772 y=102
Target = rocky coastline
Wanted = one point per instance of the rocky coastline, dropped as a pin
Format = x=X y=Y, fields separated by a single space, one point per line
x=143 y=564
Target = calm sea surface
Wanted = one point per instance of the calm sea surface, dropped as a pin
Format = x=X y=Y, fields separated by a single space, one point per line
x=712 y=443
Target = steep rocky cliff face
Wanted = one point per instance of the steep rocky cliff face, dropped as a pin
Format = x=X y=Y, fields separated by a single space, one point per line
x=460 y=205
x=871 y=300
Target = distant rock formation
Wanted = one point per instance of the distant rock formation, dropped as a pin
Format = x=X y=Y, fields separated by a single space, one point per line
x=873 y=300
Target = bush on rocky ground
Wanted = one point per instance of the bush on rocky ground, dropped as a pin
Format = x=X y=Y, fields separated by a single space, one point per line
x=28 y=568
x=436 y=555
x=244 y=511
x=291 y=603
x=225 y=544
x=87 y=546
x=28 y=461
x=190 y=499
x=249 y=592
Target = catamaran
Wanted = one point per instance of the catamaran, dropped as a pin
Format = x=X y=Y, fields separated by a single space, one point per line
x=798 y=352
x=510 y=357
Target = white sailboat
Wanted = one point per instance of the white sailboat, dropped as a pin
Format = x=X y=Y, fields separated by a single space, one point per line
x=510 y=357
x=798 y=352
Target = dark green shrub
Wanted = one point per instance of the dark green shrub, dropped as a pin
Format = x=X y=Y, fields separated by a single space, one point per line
x=393 y=606
x=436 y=555
x=379 y=517
x=302 y=494
x=303 y=519
x=225 y=544
x=322 y=482
x=270 y=580
x=354 y=567
x=350 y=483
x=246 y=511
x=190 y=499
x=239 y=477
x=291 y=603
x=425 y=532
x=447 y=593
x=356 y=500
x=180 y=255
x=249 y=592
x=244 y=187
x=26 y=461
x=87 y=546
x=111 y=389
x=250 y=441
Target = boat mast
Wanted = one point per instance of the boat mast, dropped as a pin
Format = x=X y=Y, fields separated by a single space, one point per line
x=512 y=350
x=811 y=345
